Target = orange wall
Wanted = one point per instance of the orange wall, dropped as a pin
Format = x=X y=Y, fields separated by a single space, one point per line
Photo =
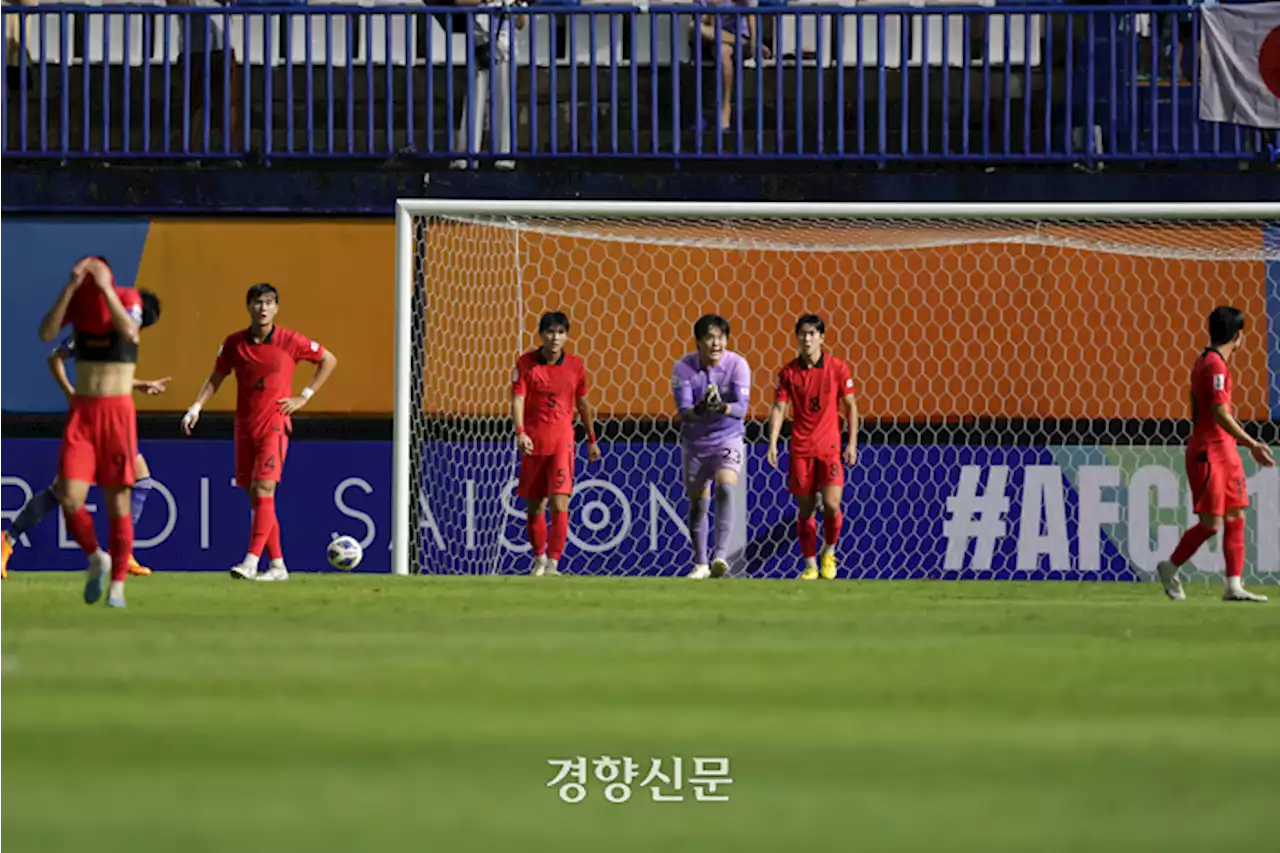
x=336 y=281
x=1011 y=330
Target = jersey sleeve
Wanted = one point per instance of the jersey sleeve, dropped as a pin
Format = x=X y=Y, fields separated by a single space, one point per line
x=1219 y=390
x=845 y=379
x=222 y=361
x=303 y=348
x=682 y=387
x=741 y=390
x=580 y=390
x=519 y=379
x=132 y=302
x=782 y=390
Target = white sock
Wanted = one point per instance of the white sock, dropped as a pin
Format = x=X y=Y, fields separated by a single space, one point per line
x=116 y=590
x=811 y=562
x=828 y=549
x=552 y=564
x=250 y=561
x=277 y=563
x=1234 y=584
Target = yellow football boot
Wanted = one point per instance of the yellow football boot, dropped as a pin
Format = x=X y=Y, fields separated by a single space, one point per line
x=828 y=565
x=136 y=568
x=810 y=573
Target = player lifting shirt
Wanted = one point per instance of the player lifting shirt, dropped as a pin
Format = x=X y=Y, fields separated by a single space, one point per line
x=100 y=440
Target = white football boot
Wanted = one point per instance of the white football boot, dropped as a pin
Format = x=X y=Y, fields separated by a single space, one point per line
x=276 y=572
x=700 y=572
x=1235 y=591
x=1168 y=573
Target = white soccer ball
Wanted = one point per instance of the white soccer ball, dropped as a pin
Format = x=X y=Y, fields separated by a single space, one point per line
x=345 y=553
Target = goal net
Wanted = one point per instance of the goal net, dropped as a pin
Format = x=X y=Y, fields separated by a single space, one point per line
x=1022 y=374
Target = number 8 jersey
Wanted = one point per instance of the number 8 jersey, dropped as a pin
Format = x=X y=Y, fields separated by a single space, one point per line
x=550 y=391
x=814 y=393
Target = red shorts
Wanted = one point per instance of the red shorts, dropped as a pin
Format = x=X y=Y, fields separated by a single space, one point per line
x=261 y=457
x=543 y=476
x=1217 y=480
x=809 y=474
x=100 y=442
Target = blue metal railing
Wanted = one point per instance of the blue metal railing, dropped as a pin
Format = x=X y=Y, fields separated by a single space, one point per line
x=879 y=83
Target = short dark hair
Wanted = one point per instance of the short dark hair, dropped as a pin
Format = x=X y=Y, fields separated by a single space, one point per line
x=150 y=308
x=260 y=290
x=1225 y=322
x=811 y=320
x=706 y=323
x=553 y=320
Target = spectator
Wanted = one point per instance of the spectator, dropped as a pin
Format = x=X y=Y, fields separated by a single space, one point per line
x=13 y=44
x=492 y=39
x=718 y=36
x=208 y=42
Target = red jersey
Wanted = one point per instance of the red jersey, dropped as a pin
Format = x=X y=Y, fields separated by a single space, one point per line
x=550 y=392
x=815 y=393
x=1210 y=386
x=88 y=311
x=264 y=375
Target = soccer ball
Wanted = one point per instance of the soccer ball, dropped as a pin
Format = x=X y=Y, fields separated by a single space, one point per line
x=345 y=553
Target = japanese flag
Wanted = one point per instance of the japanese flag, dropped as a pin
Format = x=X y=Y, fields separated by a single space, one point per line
x=1240 y=72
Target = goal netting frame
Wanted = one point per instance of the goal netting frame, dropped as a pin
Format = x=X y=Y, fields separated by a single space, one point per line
x=1021 y=373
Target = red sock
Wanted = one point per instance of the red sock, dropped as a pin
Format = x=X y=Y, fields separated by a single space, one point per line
x=264 y=518
x=80 y=526
x=808 y=536
x=120 y=543
x=1190 y=542
x=831 y=524
x=274 y=551
x=1233 y=546
x=536 y=527
x=559 y=534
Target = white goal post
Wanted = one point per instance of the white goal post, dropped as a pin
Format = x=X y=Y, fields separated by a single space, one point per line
x=1021 y=373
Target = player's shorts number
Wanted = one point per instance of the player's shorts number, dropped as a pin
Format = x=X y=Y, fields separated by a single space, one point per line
x=117 y=461
x=833 y=469
x=560 y=477
x=731 y=456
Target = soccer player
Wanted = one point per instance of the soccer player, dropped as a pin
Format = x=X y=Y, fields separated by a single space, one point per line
x=548 y=386
x=100 y=440
x=815 y=386
x=42 y=503
x=263 y=358
x=1213 y=462
x=712 y=389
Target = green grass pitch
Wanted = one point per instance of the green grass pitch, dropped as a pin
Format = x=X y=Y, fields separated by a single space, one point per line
x=359 y=713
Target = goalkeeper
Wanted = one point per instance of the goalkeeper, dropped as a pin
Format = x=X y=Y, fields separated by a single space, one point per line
x=712 y=389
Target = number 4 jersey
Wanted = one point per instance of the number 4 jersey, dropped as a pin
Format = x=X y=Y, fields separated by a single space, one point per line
x=264 y=376
x=550 y=391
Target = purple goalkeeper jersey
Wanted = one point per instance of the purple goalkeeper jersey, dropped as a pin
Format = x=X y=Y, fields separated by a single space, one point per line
x=690 y=381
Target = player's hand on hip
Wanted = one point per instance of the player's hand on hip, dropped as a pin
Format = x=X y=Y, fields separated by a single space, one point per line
x=772 y=457
x=189 y=420
x=593 y=452
x=289 y=405
x=1262 y=455
x=851 y=454
x=525 y=444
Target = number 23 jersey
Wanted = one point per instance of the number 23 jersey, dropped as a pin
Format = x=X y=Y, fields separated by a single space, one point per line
x=550 y=391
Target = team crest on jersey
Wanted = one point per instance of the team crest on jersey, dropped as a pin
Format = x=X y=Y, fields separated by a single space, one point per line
x=315 y=347
x=1219 y=381
x=848 y=383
